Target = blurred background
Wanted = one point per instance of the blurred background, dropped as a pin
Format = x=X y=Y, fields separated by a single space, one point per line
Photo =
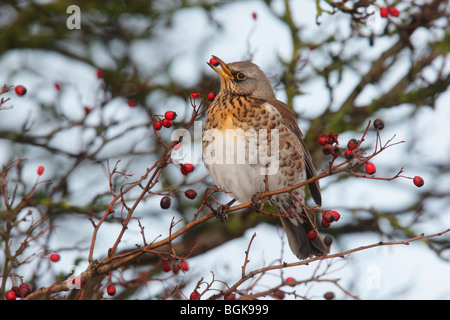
x=97 y=71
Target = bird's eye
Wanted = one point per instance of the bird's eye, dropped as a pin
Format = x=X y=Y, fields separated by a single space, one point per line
x=241 y=76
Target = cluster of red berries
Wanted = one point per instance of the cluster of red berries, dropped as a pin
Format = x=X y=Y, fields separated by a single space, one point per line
x=174 y=266
x=329 y=143
x=169 y=116
x=20 y=291
x=328 y=217
x=384 y=12
x=210 y=95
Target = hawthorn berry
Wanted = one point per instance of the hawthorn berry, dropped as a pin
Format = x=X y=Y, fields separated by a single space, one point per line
x=54 y=257
x=328 y=216
x=370 y=168
x=166 y=122
x=20 y=90
x=393 y=11
x=157 y=125
x=279 y=294
x=229 y=296
x=186 y=168
x=166 y=266
x=23 y=290
x=170 y=115
x=131 y=103
x=100 y=73
x=323 y=139
x=10 y=295
x=111 y=290
x=335 y=215
x=165 y=202
x=348 y=154
x=195 y=95
x=184 y=266
x=378 y=124
x=418 y=181
x=211 y=96
x=312 y=235
x=40 y=170
x=194 y=295
x=214 y=62
x=383 y=12
x=175 y=268
x=190 y=193
x=327 y=149
x=352 y=144
x=329 y=295
x=291 y=281
x=87 y=110
x=254 y=16
x=325 y=223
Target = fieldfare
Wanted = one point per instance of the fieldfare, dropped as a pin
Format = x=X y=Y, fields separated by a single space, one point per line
x=252 y=144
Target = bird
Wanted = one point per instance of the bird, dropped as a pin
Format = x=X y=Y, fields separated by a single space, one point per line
x=252 y=143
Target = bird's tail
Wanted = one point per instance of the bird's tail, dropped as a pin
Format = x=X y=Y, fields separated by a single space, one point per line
x=297 y=229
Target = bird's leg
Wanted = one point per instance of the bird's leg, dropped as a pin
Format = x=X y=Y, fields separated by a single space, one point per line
x=222 y=211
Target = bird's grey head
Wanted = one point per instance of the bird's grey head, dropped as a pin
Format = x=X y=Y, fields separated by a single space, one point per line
x=243 y=78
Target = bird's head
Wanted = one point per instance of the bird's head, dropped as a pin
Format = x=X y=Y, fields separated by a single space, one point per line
x=243 y=78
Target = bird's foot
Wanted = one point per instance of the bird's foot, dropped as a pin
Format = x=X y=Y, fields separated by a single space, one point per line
x=222 y=211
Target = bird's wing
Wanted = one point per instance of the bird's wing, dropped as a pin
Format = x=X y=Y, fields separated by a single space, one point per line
x=290 y=121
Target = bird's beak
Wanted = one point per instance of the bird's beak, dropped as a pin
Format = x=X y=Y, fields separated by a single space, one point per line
x=225 y=71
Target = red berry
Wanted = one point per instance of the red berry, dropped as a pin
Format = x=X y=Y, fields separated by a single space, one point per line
x=131 y=103
x=352 y=144
x=100 y=73
x=194 y=295
x=312 y=235
x=328 y=216
x=157 y=125
x=190 y=193
x=57 y=86
x=54 y=257
x=418 y=181
x=87 y=110
x=186 y=168
x=10 y=295
x=111 y=290
x=40 y=170
x=325 y=223
x=184 y=266
x=327 y=149
x=370 y=168
x=166 y=266
x=175 y=268
x=166 y=122
x=323 y=139
x=336 y=215
x=378 y=124
x=195 y=95
x=23 y=290
x=279 y=294
x=20 y=90
x=214 y=62
x=348 y=154
x=291 y=281
x=211 y=96
x=165 y=202
x=229 y=296
x=254 y=16
x=329 y=295
x=393 y=11
x=170 y=115
x=384 y=12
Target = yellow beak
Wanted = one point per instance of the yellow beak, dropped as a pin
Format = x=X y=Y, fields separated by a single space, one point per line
x=225 y=71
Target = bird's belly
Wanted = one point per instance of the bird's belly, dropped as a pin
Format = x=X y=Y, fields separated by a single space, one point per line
x=242 y=180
